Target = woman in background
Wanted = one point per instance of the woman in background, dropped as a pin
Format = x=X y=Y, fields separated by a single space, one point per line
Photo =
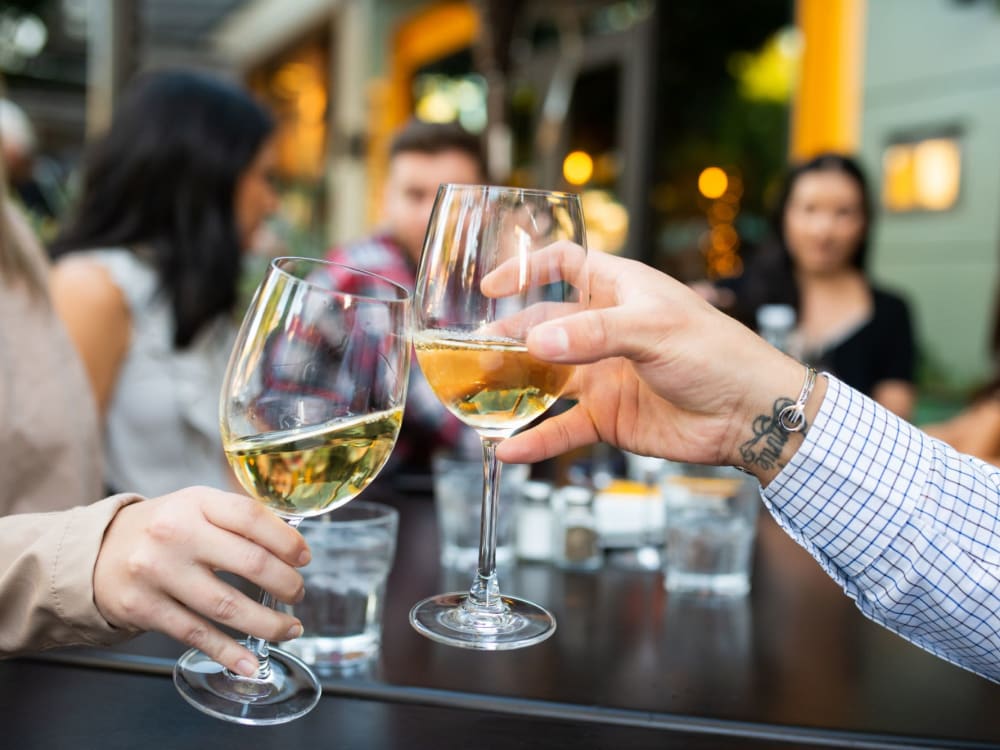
x=844 y=324
x=148 y=266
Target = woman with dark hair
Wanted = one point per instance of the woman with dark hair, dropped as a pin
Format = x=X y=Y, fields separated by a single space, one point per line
x=817 y=266
x=147 y=271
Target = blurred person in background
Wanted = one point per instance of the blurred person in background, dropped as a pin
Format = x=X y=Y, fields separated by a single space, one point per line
x=422 y=156
x=844 y=324
x=49 y=433
x=87 y=572
x=976 y=429
x=35 y=182
x=148 y=267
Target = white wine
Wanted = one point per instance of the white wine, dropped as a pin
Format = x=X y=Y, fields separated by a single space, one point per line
x=493 y=385
x=308 y=471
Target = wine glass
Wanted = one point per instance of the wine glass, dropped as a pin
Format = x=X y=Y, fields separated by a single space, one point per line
x=310 y=410
x=496 y=261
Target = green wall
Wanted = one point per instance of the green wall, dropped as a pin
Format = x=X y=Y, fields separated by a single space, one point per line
x=932 y=65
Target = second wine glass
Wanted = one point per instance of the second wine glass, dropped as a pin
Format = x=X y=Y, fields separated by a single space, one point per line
x=310 y=410
x=496 y=261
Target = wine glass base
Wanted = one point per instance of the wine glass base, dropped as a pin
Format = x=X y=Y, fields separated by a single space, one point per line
x=447 y=618
x=290 y=691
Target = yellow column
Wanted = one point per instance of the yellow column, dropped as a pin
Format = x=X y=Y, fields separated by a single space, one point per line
x=428 y=35
x=826 y=114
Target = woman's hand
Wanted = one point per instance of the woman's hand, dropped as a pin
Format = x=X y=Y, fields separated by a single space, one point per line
x=156 y=571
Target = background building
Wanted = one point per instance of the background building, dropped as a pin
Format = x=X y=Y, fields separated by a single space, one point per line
x=673 y=119
x=931 y=132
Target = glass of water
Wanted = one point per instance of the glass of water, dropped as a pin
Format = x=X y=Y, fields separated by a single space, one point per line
x=341 y=614
x=711 y=523
x=458 y=482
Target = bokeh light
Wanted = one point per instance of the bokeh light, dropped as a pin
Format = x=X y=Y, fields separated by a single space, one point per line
x=712 y=182
x=578 y=167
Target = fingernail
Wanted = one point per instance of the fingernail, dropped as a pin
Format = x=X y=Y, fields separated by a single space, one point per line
x=551 y=341
x=246 y=667
x=305 y=557
x=294 y=632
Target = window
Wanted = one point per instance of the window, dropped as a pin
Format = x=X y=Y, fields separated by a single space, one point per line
x=921 y=174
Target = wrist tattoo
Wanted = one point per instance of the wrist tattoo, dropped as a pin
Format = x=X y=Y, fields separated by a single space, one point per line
x=764 y=449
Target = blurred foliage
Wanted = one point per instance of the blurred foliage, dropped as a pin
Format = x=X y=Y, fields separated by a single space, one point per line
x=25 y=6
x=703 y=118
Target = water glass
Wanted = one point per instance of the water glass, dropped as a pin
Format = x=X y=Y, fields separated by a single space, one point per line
x=458 y=505
x=711 y=524
x=341 y=614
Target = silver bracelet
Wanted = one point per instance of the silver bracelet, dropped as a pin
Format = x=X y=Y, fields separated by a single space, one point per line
x=793 y=417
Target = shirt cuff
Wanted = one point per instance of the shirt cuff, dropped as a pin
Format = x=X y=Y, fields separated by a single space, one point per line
x=72 y=581
x=854 y=482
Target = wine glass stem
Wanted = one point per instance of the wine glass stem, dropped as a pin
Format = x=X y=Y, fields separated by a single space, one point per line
x=485 y=591
x=258 y=646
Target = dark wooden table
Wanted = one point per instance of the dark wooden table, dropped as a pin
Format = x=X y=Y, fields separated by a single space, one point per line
x=792 y=665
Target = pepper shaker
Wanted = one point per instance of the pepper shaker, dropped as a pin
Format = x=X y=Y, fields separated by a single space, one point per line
x=576 y=539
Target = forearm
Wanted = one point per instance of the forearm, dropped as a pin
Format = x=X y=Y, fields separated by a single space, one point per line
x=46 y=578
x=904 y=524
x=763 y=447
x=898 y=396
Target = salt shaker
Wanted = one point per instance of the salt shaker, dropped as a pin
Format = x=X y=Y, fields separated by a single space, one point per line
x=534 y=522
x=576 y=540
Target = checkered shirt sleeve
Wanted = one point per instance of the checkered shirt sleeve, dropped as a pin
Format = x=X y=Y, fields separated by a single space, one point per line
x=425 y=417
x=906 y=525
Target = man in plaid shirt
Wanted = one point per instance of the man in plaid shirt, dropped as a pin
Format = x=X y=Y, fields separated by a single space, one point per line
x=421 y=157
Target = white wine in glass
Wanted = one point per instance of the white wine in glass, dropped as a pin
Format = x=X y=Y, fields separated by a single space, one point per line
x=493 y=385
x=496 y=261
x=303 y=472
x=310 y=410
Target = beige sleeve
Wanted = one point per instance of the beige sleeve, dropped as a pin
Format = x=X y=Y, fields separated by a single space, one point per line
x=47 y=578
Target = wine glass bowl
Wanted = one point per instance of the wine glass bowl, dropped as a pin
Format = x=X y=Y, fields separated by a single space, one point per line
x=310 y=410
x=490 y=383
x=496 y=262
